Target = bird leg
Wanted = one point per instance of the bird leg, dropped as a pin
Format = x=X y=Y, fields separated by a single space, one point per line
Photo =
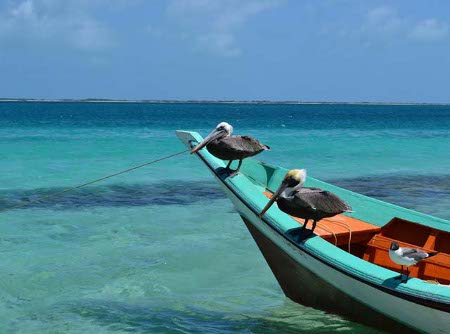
x=304 y=224
x=400 y=276
x=314 y=226
x=304 y=232
x=301 y=233
x=407 y=275
x=234 y=173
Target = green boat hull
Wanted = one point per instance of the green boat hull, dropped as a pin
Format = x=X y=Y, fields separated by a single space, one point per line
x=321 y=275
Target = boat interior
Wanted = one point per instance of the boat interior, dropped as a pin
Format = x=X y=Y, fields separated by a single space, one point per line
x=368 y=241
x=371 y=243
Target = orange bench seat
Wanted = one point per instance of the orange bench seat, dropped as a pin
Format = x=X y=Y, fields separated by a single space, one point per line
x=372 y=243
x=412 y=235
x=339 y=229
x=435 y=268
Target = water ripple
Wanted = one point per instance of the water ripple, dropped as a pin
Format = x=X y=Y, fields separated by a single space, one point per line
x=425 y=193
x=141 y=318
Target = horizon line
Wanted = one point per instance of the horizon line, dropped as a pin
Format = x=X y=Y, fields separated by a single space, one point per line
x=195 y=101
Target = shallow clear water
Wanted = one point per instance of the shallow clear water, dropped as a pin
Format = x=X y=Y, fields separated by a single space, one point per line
x=161 y=249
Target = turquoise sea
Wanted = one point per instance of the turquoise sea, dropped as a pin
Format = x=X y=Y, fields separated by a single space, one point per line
x=161 y=250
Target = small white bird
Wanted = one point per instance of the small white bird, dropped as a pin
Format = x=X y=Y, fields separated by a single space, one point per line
x=407 y=257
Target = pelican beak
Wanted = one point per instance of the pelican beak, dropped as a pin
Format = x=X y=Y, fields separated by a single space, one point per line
x=213 y=135
x=274 y=198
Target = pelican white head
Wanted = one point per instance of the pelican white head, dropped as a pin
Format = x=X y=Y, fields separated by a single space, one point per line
x=293 y=179
x=223 y=129
x=224 y=126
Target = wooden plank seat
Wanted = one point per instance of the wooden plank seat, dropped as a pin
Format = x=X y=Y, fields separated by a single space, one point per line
x=374 y=243
x=412 y=235
x=337 y=229
x=435 y=268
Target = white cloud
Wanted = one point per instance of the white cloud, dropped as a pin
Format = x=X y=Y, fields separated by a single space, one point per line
x=382 y=25
x=214 y=25
x=385 y=20
x=52 y=22
x=430 y=30
x=24 y=10
x=386 y=24
x=223 y=43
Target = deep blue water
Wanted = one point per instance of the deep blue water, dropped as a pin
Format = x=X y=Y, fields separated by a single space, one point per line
x=255 y=116
x=161 y=249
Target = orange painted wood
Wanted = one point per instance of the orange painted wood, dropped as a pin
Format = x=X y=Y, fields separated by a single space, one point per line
x=431 y=241
x=442 y=243
x=407 y=231
x=340 y=227
x=375 y=242
x=434 y=268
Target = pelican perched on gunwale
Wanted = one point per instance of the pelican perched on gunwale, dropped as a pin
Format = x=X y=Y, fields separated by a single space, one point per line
x=303 y=202
x=222 y=145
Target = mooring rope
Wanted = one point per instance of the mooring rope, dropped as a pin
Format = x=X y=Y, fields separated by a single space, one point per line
x=89 y=183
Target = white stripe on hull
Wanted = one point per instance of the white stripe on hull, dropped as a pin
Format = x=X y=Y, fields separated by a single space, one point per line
x=409 y=313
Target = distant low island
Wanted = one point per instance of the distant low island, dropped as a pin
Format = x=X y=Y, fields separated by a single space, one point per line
x=99 y=100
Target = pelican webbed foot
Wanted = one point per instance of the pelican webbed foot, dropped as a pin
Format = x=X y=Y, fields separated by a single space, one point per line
x=233 y=173
x=300 y=234
x=304 y=234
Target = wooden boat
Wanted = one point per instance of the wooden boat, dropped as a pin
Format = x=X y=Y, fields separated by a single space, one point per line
x=345 y=267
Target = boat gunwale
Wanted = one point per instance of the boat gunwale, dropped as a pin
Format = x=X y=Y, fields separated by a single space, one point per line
x=371 y=199
x=435 y=303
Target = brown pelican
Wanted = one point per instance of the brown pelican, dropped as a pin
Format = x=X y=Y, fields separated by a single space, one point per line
x=306 y=203
x=222 y=145
x=407 y=257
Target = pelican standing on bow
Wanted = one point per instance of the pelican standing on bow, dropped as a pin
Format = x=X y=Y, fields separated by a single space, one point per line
x=303 y=202
x=222 y=145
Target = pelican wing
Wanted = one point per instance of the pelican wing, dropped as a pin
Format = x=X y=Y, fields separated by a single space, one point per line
x=243 y=144
x=254 y=143
x=320 y=200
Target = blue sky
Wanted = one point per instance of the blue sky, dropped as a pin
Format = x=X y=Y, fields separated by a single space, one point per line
x=315 y=50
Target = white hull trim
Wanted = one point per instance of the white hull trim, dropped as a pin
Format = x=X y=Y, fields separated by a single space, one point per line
x=414 y=315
